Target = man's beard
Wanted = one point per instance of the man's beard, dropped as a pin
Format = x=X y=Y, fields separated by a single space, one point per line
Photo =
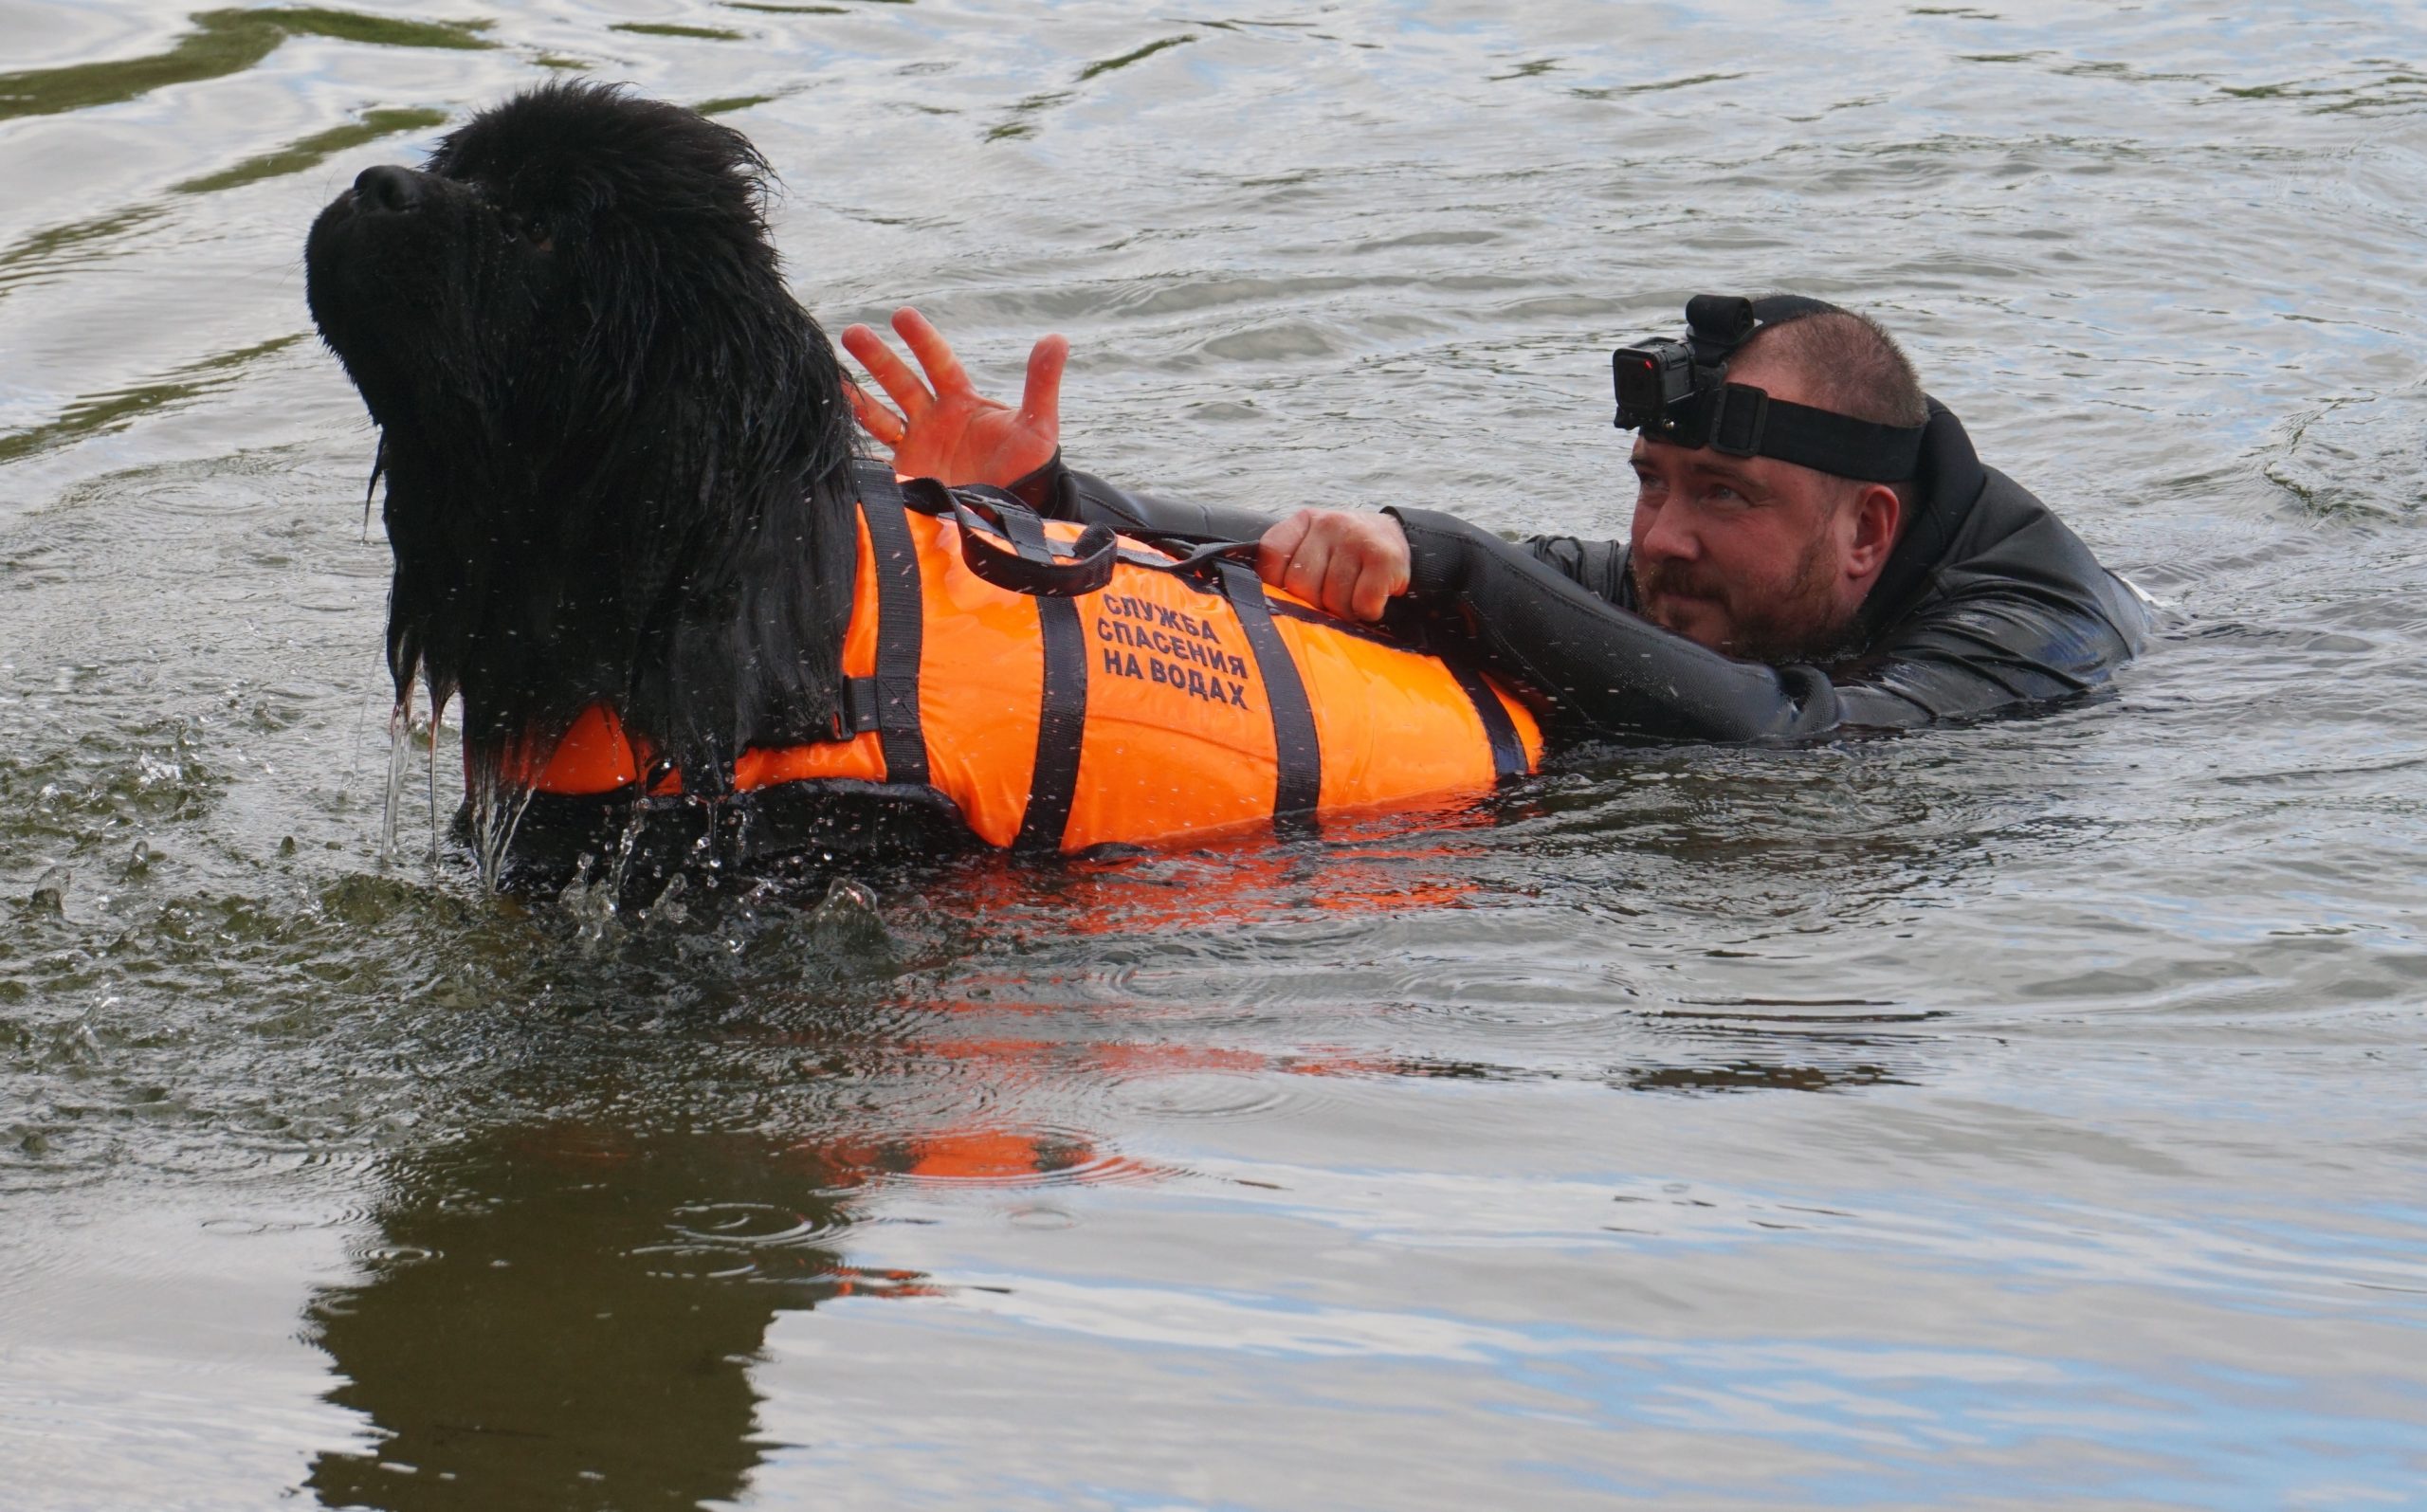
x=1799 y=625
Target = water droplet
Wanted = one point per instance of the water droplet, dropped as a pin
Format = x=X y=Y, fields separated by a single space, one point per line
x=51 y=891
x=669 y=907
x=845 y=920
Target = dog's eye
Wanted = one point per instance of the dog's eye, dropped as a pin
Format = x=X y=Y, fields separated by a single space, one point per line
x=518 y=229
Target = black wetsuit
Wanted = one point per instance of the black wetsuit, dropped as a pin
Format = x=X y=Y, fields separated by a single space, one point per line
x=1988 y=602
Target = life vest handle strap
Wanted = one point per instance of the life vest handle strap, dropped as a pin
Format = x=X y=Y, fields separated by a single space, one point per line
x=1031 y=564
x=1201 y=558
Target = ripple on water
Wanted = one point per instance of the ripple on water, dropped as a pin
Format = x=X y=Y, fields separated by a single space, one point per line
x=1716 y=1118
x=1195 y=1099
x=731 y=1240
x=2361 y=457
x=1006 y=1155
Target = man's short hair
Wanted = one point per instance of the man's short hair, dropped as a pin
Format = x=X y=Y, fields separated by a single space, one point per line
x=1854 y=366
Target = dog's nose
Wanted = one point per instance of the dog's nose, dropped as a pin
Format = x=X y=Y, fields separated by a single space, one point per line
x=387 y=188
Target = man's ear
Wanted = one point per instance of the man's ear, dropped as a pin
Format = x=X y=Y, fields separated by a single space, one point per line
x=1878 y=514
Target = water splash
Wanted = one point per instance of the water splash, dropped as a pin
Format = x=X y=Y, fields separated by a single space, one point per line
x=403 y=731
x=624 y=848
x=497 y=804
x=589 y=900
x=668 y=908
x=400 y=734
x=847 y=923
x=437 y=712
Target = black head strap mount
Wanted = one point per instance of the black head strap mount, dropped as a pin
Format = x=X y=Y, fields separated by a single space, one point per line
x=1677 y=392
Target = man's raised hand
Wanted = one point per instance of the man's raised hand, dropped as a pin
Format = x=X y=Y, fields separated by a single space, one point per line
x=941 y=427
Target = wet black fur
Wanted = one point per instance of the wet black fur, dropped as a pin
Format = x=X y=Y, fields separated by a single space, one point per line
x=617 y=454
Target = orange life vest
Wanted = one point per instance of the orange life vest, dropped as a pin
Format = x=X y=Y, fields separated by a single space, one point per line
x=1064 y=688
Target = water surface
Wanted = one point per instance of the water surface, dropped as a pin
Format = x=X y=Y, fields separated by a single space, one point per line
x=1991 y=1118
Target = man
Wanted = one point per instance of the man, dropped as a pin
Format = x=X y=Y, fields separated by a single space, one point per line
x=1815 y=545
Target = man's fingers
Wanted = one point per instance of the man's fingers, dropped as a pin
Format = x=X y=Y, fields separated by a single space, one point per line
x=1041 y=401
x=934 y=353
x=890 y=372
x=1309 y=564
x=1373 y=592
x=1342 y=572
x=1278 y=544
x=1343 y=564
x=874 y=418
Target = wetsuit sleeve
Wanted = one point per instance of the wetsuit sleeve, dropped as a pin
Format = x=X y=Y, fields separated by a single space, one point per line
x=1057 y=492
x=2033 y=618
x=1600 y=670
x=2030 y=619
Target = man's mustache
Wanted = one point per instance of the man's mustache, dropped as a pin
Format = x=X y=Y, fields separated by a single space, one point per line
x=1657 y=580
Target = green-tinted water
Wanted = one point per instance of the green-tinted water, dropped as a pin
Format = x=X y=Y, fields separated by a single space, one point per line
x=1997 y=1116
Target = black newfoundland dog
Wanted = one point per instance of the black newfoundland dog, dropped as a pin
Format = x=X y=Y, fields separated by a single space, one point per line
x=621 y=478
x=618 y=457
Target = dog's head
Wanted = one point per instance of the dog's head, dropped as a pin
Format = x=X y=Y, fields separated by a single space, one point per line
x=546 y=249
x=618 y=455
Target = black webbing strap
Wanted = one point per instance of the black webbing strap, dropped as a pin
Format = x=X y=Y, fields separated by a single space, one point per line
x=1743 y=421
x=1298 y=786
x=985 y=513
x=1738 y=420
x=1062 y=714
x=898 y=633
x=859 y=715
x=1507 y=752
x=1028 y=536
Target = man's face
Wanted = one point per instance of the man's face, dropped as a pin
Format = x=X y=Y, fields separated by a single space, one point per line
x=1748 y=556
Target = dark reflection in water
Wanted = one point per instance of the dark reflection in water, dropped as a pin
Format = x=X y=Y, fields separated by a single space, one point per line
x=220 y=43
x=534 y=1331
x=565 y=1310
x=565 y=1316
x=1395 y=1170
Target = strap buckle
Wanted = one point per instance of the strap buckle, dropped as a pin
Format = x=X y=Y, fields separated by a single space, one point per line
x=860 y=709
x=1739 y=415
